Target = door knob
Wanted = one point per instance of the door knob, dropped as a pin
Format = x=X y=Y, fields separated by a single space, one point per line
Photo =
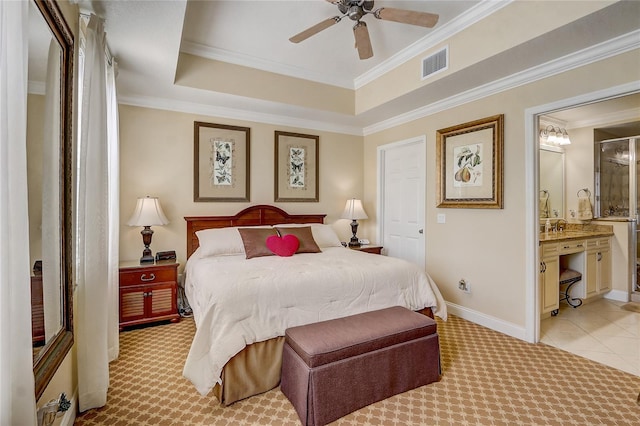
x=420 y=231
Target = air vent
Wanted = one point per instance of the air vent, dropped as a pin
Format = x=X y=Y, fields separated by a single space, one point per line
x=435 y=63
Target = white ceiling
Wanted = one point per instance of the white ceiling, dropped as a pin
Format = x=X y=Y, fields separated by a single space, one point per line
x=146 y=37
x=258 y=32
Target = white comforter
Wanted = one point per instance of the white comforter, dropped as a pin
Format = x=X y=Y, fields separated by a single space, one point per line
x=238 y=301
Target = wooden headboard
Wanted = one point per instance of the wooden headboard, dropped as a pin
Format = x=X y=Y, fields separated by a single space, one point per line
x=251 y=216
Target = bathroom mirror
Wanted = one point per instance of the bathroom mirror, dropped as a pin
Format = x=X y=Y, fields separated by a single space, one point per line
x=49 y=141
x=551 y=182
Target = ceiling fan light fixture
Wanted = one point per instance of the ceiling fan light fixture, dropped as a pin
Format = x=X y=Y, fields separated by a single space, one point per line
x=356 y=13
x=356 y=10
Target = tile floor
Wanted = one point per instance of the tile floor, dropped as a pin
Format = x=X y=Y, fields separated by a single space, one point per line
x=601 y=331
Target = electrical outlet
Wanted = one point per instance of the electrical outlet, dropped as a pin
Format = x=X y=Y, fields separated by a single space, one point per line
x=464 y=286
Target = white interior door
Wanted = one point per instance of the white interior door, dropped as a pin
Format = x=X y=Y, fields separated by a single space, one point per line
x=402 y=199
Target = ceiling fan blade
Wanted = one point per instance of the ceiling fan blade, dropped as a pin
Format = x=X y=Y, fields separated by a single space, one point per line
x=363 y=42
x=314 y=29
x=411 y=17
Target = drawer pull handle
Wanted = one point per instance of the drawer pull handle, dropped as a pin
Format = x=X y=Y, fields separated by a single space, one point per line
x=151 y=277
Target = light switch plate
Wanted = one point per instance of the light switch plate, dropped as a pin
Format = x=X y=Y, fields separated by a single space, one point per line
x=442 y=218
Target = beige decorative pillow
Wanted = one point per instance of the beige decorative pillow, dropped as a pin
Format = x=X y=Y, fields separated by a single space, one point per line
x=305 y=236
x=255 y=241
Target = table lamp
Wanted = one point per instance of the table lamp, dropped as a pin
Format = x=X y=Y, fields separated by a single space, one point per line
x=354 y=211
x=148 y=213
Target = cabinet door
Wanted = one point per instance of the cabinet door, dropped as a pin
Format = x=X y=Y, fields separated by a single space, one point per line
x=591 y=274
x=604 y=272
x=549 y=284
x=132 y=301
x=161 y=300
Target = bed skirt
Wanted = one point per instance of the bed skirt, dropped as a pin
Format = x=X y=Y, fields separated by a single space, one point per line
x=256 y=369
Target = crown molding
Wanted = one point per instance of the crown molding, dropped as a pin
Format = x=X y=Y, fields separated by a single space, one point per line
x=584 y=57
x=613 y=47
x=440 y=35
x=250 y=61
x=236 y=114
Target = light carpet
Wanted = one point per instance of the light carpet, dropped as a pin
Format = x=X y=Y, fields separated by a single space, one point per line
x=488 y=378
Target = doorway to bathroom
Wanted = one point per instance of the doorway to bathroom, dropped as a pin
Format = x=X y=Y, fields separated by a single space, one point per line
x=600 y=161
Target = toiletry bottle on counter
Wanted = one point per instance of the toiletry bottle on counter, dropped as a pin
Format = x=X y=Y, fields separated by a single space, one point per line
x=547 y=226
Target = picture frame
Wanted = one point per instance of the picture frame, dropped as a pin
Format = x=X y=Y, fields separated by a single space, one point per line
x=221 y=163
x=297 y=171
x=469 y=164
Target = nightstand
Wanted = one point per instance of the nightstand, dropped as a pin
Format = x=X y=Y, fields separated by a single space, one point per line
x=368 y=248
x=148 y=293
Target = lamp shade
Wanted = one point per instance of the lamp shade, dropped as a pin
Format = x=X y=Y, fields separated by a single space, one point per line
x=148 y=213
x=354 y=210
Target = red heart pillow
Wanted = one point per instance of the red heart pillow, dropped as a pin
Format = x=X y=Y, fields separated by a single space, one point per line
x=285 y=246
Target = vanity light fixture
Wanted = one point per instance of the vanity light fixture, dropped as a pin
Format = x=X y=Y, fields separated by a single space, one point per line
x=148 y=213
x=554 y=135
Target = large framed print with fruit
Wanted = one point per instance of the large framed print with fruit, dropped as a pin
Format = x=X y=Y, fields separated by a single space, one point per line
x=469 y=164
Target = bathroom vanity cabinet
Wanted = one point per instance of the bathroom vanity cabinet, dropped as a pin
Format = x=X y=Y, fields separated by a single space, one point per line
x=598 y=279
x=586 y=252
x=549 y=277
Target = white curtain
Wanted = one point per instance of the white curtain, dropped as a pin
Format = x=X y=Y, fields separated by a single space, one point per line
x=17 y=398
x=97 y=222
x=114 y=211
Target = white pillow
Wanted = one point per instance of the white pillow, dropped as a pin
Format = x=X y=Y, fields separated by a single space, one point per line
x=220 y=241
x=324 y=235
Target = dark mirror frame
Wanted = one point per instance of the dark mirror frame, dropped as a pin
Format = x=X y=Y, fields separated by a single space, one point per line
x=51 y=356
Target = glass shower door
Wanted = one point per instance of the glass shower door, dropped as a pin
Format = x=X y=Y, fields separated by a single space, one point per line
x=614 y=187
x=617 y=195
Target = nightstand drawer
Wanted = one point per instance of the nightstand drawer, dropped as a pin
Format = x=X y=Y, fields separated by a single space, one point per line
x=147 y=276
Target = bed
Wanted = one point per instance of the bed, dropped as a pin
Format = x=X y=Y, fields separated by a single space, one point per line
x=243 y=305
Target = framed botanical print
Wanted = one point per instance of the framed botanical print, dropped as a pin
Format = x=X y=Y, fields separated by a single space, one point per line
x=221 y=162
x=296 y=167
x=469 y=162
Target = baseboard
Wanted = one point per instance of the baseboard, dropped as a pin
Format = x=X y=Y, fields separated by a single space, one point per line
x=617 y=295
x=488 y=321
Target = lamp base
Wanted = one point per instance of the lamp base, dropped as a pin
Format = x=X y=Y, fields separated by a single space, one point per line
x=147 y=255
x=354 y=239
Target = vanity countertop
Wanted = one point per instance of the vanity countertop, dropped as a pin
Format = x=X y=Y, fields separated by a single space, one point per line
x=576 y=232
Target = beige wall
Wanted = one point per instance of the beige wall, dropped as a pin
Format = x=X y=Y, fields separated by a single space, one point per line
x=487 y=247
x=196 y=71
x=156 y=159
x=510 y=26
x=35 y=123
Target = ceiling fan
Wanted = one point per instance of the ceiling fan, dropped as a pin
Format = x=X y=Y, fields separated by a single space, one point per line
x=356 y=10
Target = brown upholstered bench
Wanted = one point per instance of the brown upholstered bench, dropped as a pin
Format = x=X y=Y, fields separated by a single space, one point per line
x=332 y=368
